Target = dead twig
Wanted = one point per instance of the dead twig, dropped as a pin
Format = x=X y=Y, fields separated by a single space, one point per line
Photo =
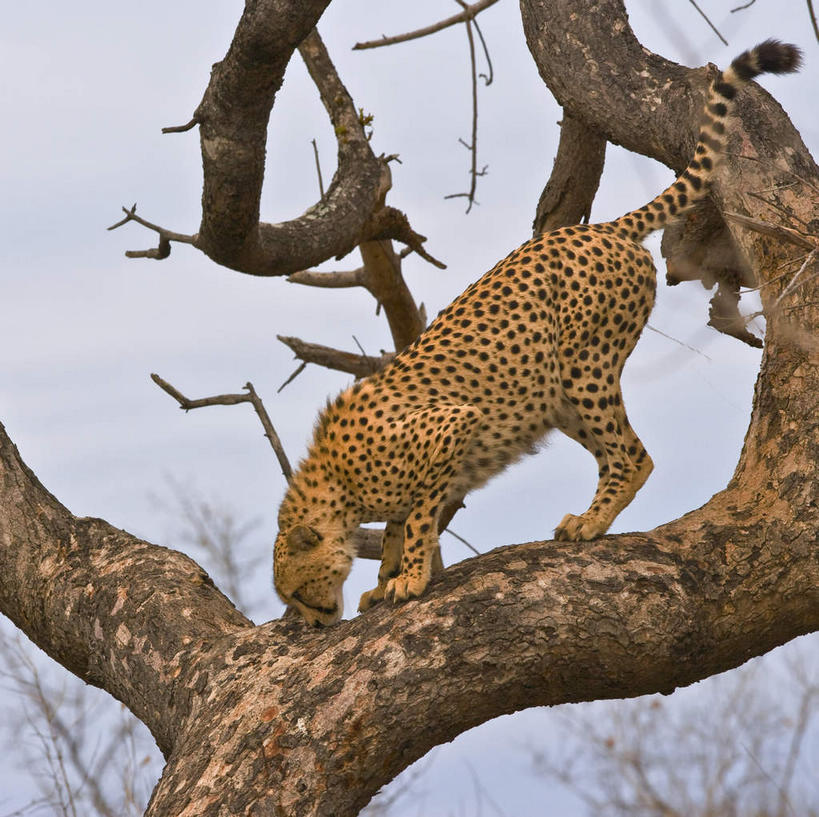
x=358 y=365
x=299 y=370
x=330 y=280
x=813 y=19
x=705 y=17
x=769 y=164
x=462 y=541
x=786 y=234
x=231 y=400
x=318 y=168
x=181 y=128
x=469 y=13
x=678 y=342
x=793 y=284
x=163 y=250
x=474 y=173
x=775 y=205
x=487 y=78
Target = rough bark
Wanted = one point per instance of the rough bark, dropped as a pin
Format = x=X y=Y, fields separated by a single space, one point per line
x=597 y=70
x=233 y=118
x=280 y=719
x=568 y=195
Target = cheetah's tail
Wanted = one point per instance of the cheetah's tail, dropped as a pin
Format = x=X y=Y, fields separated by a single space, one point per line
x=691 y=186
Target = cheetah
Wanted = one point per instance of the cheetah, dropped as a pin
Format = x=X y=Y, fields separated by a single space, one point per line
x=537 y=343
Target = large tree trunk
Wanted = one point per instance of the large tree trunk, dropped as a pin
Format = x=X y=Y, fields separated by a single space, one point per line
x=282 y=719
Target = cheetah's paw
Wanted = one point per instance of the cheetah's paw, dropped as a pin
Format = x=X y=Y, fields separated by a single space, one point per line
x=370 y=598
x=578 y=529
x=404 y=587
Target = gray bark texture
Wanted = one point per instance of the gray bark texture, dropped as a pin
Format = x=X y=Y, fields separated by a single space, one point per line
x=280 y=719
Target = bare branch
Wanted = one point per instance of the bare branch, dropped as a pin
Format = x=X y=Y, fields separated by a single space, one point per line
x=775 y=230
x=766 y=162
x=130 y=215
x=296 y=373
x=181 y=128
x=330 y=280
x=318 y=168
x=367 y=543
x=392 y=223
x=467 y=14
x=775 y=205
x=487 y=78
x=163 y=250
x=383 y=279
x=358 y=365
x=705 y=17
x=677 y=341
x=813 y=19
x=473 y=145
x=231 y=400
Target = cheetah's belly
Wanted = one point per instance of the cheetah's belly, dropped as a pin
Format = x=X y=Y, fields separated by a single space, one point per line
x=491 y=453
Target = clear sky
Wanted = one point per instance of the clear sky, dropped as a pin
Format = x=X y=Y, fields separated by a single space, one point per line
x=86 y=89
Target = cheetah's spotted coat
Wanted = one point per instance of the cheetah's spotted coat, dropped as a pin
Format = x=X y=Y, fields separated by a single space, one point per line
x=537 y=343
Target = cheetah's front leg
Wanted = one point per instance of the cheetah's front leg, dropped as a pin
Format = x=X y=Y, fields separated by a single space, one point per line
x=391 y=547
x=437 y=439
x=420 y=545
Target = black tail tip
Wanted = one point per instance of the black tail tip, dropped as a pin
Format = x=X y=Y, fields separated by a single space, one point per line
x=775 y=57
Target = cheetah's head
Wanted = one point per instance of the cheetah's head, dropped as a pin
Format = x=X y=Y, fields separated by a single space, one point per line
x=309 y=571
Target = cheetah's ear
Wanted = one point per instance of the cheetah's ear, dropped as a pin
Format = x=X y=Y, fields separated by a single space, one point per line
x=300 y=539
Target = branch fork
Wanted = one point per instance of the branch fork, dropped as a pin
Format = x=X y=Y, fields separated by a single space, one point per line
x=163 y=250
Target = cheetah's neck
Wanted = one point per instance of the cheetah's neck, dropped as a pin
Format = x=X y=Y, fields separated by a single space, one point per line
x=315 y=500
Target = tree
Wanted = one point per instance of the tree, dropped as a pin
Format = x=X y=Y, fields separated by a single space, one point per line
x=276 y=718
x=741 y=747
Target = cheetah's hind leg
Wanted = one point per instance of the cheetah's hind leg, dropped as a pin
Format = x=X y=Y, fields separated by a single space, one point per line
x=438 y=438
x=623 y=465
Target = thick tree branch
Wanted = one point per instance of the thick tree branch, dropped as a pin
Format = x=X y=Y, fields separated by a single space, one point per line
x=281 y=719
x=569 y=193
x=652 y=106
x=233 y=118
x=120 y=613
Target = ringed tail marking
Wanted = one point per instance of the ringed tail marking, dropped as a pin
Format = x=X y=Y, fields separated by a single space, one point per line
x=691 y=186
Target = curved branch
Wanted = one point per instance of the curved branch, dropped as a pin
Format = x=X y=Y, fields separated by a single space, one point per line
x=114 y=610
x=233 y=118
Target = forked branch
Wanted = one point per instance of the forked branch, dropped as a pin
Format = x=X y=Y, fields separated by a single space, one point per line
x=163 y=250
x=251 y=397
